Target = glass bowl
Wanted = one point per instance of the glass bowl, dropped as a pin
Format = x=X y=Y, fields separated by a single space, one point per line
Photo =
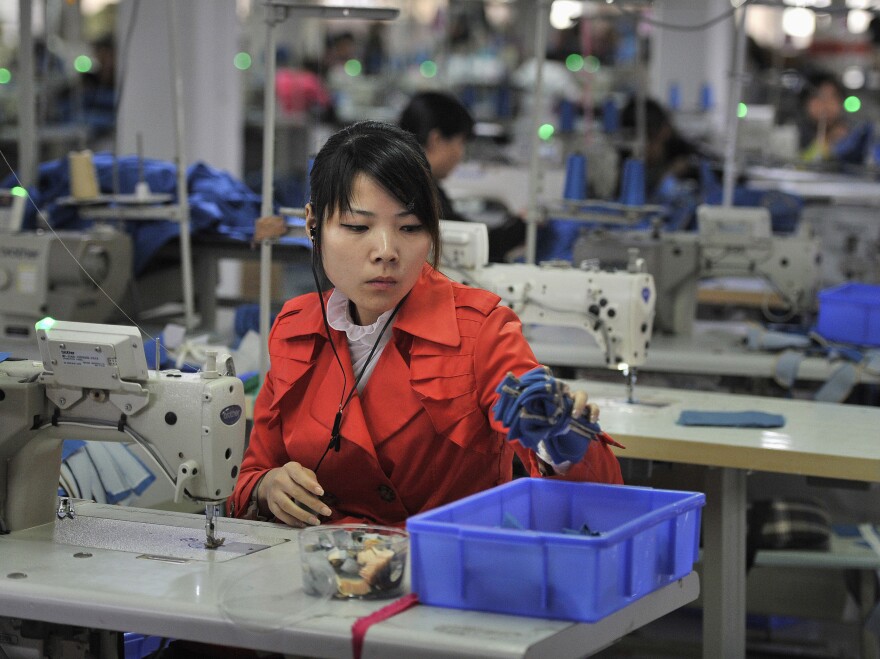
x=353 y=561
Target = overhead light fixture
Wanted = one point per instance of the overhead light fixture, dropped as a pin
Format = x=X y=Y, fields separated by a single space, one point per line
x=798 y=22
x=853 y=77
x=858 y=20
x=563 y=13
x=308 y=10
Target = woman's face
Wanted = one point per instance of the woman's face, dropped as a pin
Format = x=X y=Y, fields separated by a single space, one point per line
x=826 y=105
x=444 y=153
x=373 y=253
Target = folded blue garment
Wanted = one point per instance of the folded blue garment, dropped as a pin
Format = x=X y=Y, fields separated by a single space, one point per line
x=744 y=419
x=106 y=472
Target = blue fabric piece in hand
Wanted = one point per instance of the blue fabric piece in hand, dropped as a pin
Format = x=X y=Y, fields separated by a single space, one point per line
x=536 y=407
x=744 y=419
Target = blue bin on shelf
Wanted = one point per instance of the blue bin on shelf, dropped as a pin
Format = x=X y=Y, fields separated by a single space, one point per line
x=138 y=646
x=850 y=313
x=462 y=556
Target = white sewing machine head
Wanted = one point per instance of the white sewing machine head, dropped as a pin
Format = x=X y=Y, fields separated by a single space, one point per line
x=615 y=308
x=61 y=272
x=730 y=242
x=94 y=384
x=11 y=211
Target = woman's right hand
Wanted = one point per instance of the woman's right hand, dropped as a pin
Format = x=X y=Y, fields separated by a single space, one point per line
x=291 y=493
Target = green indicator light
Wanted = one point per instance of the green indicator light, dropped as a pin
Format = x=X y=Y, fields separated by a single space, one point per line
x=19 y=191
x=574 y=62
x=82 y=63
x=852 y=104
x=428 y=68
x=545 y=132
x=242 y=61
x=591 y=63
x=45 y=324
x=5 y=76
x=352 y=67
x=742 y=110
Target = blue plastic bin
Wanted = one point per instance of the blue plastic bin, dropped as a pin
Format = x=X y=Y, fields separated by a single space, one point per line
x=138 y=646
x=463 y=558
x=850 y=313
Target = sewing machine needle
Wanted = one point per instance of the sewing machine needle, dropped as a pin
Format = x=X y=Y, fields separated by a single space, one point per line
x=212 y=512
x=630 y=375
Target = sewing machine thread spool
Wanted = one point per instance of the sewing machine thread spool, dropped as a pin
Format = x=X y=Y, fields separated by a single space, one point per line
x=707 y=101
x=576 y=177
x=632 y=189
x=83 y=177
x=610 y=117
x=675 y=97
x=566 y=116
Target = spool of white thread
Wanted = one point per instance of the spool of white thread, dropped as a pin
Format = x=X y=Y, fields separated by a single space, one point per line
x=83 y=177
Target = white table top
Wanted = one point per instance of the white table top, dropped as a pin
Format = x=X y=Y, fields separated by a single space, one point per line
x=257 y=600
x=715 y=348
x=816 y=186
x=818 y=439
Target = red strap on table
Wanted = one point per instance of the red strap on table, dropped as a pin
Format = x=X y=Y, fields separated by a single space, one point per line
x=361 y=625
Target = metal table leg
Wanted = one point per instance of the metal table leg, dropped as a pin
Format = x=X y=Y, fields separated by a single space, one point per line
x=724 y=564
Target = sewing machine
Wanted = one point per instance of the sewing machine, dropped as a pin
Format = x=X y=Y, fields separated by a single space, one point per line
x=93 y=384
x=729 y=242
x=61 y=274
x=11 y=211
x=615 y=308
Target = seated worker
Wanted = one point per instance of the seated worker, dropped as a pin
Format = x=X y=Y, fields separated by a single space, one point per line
x=442 y=125
x=824 y=131
x=667 y=153
x=300 y=90
x=378 y=402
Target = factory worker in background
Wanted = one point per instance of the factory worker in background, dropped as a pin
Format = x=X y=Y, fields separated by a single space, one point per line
x=378 y=402
x=826 y=133
x=442 y=125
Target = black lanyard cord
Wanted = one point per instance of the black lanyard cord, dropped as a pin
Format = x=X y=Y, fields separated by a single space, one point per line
x=335 y=440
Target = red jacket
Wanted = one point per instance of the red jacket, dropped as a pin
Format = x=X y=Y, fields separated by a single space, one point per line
x=422 y=433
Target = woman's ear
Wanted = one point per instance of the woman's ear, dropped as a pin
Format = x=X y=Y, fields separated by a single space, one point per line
x=311 y=222
x=435 y=138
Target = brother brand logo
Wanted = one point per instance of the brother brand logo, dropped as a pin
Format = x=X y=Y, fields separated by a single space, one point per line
x=230 y=415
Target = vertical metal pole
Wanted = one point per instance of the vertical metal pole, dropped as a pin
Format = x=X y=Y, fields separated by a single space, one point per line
x=640 y=148
x=27 y=105
x=535 y=175
x=272 y=18
x=736 y=76
x=724 y=564
x=182 y=195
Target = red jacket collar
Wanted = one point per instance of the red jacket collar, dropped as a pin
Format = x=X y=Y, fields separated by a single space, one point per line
x=428 y=313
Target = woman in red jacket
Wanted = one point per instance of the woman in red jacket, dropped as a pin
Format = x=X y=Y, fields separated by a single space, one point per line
x=378 y=402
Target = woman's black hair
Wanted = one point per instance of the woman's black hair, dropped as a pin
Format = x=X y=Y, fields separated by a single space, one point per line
x=427 y=111
x=656 y=117
x=815 y=80
x=392 y=158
